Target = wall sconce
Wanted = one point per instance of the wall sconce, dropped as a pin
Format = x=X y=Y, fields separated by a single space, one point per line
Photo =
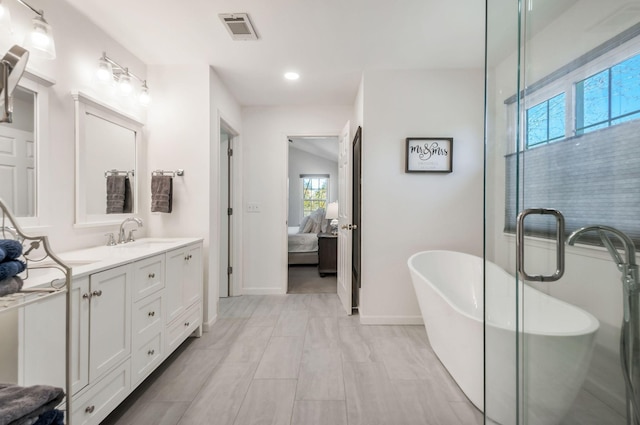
x=110 y=71
x=40 y=40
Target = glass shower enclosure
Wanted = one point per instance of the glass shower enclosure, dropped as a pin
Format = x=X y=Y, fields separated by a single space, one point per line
x=562 y=212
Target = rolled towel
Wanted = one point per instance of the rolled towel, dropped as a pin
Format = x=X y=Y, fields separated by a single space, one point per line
x=10 y=249
x=10 y=285
x=11 y=268
x=52 y=417
x=161 y=194
x=115 y=194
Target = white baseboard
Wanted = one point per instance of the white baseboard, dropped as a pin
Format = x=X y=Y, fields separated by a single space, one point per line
x=206 y=326
x=391 y=320
x=263 y=291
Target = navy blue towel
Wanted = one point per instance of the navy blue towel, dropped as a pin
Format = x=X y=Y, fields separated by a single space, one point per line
x=11 y=268
x=52 y=417
x=10 y=249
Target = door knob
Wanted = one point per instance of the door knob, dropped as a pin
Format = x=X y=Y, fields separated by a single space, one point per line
x=350 y=226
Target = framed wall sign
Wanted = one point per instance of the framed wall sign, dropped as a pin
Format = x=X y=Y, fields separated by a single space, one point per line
x=429 y=155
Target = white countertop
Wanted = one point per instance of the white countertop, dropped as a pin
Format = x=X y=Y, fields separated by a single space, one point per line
x=91 y=260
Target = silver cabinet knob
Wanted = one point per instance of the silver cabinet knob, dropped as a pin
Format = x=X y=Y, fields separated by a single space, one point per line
x=186 y=324
x=151 y=352
x=152 y=275
x=90 y=409
x=97 y=293
x=86 y=296
x=152 y=313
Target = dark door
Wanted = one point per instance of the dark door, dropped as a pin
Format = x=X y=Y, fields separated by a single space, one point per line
x=357 y=198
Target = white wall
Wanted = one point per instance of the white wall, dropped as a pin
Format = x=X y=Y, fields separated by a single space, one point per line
x=406 y=213
x=265 y=146
x=301 y=162
x=74 y=69
x=184 y=133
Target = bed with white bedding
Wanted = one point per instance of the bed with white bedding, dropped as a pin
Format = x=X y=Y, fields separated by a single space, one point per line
x=303 y=247
x=303 y=239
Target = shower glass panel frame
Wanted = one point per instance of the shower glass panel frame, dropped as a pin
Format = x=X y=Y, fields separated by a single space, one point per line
x=552 y=348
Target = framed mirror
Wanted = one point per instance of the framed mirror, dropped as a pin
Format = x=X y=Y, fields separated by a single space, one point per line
x=107 y=146
x=23 y=143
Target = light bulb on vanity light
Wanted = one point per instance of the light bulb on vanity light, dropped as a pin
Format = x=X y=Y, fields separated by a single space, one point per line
x=144 y=98
x=124 y=84
x=40 y=40
x=104 y=73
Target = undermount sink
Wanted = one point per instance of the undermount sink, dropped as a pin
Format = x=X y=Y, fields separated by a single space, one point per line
x=145 y=243
x=70 y=263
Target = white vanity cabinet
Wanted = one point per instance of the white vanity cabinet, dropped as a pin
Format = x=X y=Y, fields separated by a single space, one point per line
x=130 y=331
x=184 y=294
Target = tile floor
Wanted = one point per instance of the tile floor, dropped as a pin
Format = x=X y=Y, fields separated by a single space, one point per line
x=297 y=359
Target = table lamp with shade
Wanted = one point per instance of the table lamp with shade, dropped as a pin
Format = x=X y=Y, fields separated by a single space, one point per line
x=332 y=214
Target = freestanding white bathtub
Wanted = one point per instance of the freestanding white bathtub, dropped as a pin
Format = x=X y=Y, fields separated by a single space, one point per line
x=556 y=338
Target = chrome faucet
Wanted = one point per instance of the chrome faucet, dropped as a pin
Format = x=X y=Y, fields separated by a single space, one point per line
x=121 y=235
x=630 y=329
x=628 y=266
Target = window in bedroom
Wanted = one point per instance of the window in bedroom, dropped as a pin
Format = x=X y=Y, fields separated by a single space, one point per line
x=315 y=190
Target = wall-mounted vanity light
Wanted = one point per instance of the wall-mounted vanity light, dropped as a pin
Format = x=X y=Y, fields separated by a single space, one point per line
x=39 y=41
x=110 y=71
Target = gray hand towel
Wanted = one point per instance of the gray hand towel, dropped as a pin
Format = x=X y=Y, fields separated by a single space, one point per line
x=128 y=196
x=18 y=404
x=10 y=285
x=115 y=194
x=161 y=193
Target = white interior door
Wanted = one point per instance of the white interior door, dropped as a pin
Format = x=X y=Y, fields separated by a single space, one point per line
x=17 y=170
x=225 y=220
x=345 y=195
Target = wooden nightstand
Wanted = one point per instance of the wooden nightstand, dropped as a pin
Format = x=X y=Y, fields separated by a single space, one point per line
x=327 y=253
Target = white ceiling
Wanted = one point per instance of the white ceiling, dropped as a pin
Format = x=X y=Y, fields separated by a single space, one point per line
x=329 y=42
x=324 y=147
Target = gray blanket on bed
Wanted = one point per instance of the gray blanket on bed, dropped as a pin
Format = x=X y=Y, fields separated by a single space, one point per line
x=18 y=405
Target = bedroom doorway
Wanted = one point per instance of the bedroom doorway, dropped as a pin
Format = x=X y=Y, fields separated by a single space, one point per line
x=312 y=199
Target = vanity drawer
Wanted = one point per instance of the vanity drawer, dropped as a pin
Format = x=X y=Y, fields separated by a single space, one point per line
x=147 y=317
x=147 y=357
x=95 y=404
x=183 y=326
x=148 y=276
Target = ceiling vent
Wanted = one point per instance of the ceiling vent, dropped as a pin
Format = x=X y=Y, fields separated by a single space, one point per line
x=239 y=26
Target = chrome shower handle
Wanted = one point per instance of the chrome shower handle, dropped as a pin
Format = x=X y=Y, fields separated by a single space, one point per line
x=559 y=244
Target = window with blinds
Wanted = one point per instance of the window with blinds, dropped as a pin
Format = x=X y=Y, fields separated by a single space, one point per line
x=591 y=171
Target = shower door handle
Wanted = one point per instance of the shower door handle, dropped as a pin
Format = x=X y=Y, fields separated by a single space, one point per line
x=559 y=244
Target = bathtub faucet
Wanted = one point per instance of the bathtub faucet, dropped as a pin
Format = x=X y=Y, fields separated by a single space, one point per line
x=628 y=266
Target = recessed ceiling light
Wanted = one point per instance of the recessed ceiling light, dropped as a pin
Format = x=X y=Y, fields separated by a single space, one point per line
x=291 y=75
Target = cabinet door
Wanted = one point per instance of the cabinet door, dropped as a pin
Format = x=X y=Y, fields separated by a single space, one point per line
x=110 y=319
x=174 y=275
x=80 y=305
x=192 y=278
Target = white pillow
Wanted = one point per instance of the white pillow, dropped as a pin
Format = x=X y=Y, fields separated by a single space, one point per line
x=317 y=217
x=308 y=226
x=303 y=223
